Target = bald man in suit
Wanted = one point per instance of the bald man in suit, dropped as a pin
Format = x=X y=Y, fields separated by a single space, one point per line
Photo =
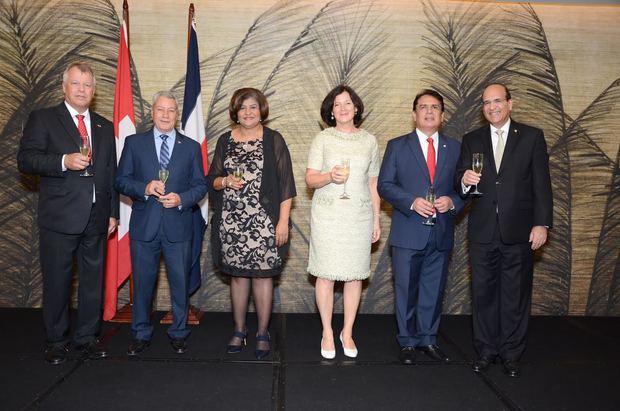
x=507 y=222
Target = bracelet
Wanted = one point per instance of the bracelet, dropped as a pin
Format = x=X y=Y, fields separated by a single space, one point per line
x=223 y=183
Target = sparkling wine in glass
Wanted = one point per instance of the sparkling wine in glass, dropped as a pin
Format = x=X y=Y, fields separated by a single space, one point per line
x=164 y=173
x=476 y=165
x=85 y=151
x=430 y=197
x=345 y=165
x=238 y=174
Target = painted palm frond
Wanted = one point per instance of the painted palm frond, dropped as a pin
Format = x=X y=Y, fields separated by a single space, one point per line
x=249 y=62
x=461 y=59
x=597 y=176
x=538 y=101
x=37 y=41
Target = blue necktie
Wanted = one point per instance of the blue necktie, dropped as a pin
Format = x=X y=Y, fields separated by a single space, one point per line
x=164 y=153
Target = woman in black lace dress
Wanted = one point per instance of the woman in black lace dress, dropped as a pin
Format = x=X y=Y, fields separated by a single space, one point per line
x=250 y=224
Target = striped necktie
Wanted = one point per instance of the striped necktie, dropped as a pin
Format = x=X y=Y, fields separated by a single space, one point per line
x=164 y=153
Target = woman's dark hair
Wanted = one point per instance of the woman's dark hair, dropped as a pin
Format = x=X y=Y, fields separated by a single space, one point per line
x=328 y=105
x=239 y=96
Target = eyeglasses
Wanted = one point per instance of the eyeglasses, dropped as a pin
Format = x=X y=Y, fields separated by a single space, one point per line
x=496 y=101
x=426 y=107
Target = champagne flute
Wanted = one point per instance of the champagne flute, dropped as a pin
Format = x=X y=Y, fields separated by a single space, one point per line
x=345 y=164
x=477 y=162
x=238 y=174
x=164 y=173
x=430 y=197
x=85 y=151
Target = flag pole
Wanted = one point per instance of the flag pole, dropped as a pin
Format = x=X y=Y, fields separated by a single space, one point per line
x=194 y=314
x=124 y=314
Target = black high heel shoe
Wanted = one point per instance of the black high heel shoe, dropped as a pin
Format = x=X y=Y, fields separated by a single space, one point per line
x=260 y=354
x=235 y=349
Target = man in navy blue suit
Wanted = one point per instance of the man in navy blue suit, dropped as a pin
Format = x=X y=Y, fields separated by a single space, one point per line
x=421 y=252
x=161 y=217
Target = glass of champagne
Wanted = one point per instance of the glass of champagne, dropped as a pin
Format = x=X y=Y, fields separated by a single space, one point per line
x=476 y=165
x=85 y=151
x=238 y=174
x=345 y=164
x=430 y=197
x=164 y=173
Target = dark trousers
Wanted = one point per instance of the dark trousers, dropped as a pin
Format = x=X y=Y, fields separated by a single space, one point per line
x=57 y=254
x=501 y=297
x=145 y=256
x=419 y=280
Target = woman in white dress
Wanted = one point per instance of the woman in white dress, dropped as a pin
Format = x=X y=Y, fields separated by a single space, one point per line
x=342 y=226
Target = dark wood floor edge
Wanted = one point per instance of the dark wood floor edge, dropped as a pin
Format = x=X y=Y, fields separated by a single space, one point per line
x=278 y=398
x=36 y=402
x=501 y=395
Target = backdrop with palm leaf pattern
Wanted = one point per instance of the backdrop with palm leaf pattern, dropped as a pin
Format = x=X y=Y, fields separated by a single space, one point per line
x=560 y=62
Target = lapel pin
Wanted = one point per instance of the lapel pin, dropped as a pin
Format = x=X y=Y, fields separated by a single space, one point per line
x=444 y=146
x=98 y=125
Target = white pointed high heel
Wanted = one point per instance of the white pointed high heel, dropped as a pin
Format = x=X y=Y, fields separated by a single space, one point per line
x=327 y=354
x=349 y=352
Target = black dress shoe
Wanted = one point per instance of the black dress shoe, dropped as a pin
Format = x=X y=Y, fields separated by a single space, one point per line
x=93 y=350
x=178 y=345
x=407 y=355
x=433 y=352
x=56 y=354
x=482 y=363
x=137 y=347
x=511 y=368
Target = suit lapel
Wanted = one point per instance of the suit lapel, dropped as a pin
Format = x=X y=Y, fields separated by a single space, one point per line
x=414 y=144
x=442 y=152
x=178 y=147
x=67 y=122
x=487 y=145
x=95 y=131
x=150 y=148
x=511 y=144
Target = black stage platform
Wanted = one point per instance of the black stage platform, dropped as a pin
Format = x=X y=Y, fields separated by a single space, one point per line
x=572 y=363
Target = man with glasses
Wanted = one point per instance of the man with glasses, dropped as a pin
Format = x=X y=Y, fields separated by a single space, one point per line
x=508 y=221
x=422 y=231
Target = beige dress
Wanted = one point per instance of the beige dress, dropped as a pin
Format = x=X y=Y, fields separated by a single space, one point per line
x=341 y=230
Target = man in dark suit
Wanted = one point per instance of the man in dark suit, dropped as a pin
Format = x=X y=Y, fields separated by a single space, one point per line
x=507 y=222
x=76 y=213
x=421 y=252
x=161 y=217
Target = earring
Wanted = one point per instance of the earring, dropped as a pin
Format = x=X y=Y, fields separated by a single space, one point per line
x=332 y=117
x=237 y=121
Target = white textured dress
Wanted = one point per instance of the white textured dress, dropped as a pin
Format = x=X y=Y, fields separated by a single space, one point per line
x=341 y=230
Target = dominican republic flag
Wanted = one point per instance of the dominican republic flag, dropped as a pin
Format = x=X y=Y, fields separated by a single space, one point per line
x=118 y=259
x=193 y=126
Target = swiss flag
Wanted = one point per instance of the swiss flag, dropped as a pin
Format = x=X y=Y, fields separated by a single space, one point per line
x=118 y=259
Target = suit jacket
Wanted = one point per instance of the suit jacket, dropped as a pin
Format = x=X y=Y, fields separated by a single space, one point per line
x=404 y=177
x=520 y=193
x=139 y=165
x=65 y=198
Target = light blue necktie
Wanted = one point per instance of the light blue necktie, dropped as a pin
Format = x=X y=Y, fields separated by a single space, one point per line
x=164 y=153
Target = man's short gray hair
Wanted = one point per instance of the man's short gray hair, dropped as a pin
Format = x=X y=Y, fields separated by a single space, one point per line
x=165 y=93
x=83 y=67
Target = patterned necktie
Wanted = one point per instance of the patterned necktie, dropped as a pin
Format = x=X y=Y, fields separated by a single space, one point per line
x=164 y=153
x=82 y=128
x=430 y=159
x=499 y=150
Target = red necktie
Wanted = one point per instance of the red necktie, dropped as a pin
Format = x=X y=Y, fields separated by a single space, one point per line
x=430 y=159
x=82 y=128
